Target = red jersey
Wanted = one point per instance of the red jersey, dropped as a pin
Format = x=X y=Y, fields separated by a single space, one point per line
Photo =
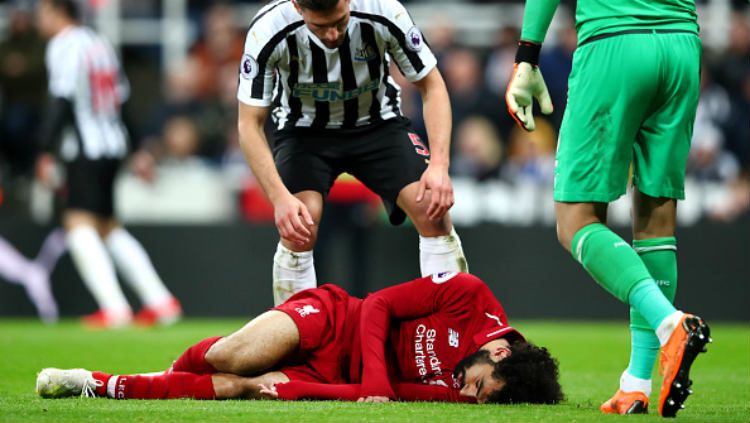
x=411 y=335
x=428 y=326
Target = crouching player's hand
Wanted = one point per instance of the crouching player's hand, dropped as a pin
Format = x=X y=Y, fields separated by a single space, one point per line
x=268 y=392
x=526 y=84
x=373 y=399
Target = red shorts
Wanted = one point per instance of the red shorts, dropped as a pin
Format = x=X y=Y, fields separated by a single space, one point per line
x=327 y=319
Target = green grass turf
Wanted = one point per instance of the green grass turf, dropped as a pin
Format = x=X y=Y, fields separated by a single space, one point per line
x=591 y=356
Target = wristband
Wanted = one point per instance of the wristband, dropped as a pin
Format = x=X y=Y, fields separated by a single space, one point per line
x=528 y=52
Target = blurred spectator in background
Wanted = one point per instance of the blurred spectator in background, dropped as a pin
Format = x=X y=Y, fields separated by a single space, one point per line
x=708 y=160
x=531 y=155
x=469 y=95
x=479 y=151
x=500 y=62
x=22 y=90
x=497 y=73
x=733 y=72
x=557 y=63
x=220 y=45
x=185 y=188
x=180 y=97
x=442 y=37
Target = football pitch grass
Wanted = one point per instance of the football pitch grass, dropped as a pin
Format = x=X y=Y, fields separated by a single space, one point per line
x=591 y=356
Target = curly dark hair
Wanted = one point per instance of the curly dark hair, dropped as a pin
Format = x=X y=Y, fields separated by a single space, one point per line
x=530 y=374
x=318 y=5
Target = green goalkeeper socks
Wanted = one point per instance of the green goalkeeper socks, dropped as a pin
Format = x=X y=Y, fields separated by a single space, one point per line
x=616 y=267
x=609 y=259
x=659 y=256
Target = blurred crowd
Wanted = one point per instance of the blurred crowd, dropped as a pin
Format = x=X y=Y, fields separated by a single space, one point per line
x=187 y=164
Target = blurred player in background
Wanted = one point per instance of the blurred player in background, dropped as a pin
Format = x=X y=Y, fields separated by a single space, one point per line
x=323 y=65
x=632 y=97
x=87 y=88
x=443 y=337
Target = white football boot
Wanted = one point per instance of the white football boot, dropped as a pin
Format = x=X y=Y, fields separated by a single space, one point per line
x=59 y=383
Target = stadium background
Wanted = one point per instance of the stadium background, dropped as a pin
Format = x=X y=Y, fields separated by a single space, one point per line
x=209 y=230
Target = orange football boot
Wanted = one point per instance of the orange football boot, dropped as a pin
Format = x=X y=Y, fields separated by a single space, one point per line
x=688 y=339
x=634 y=402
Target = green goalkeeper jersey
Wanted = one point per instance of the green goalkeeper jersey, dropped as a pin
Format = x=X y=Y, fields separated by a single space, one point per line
x=594 y=17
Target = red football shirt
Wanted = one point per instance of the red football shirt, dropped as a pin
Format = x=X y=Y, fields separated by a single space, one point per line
x=412 y=336
x=426 y=326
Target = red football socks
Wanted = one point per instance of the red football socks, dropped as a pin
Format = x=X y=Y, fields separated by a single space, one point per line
x=170 y=385
x=193 y=360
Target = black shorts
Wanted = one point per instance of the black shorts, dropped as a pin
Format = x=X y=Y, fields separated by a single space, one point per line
x=91 y=185
x=386 y=157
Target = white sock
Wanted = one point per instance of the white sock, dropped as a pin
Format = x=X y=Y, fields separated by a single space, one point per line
x=96 y=269
x=630 y=383
x=667 y=326
x=111 y=385
x=441 y=254
x=133 y=261
x=292 y=273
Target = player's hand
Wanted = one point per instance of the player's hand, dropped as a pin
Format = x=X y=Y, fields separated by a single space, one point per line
x=45 y=169
x=293 y=220
x=268 y=391
x=374 y=399
x=436 y=179
x=526 y=84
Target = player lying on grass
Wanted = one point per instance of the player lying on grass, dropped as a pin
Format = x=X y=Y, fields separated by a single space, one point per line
x=438 y=338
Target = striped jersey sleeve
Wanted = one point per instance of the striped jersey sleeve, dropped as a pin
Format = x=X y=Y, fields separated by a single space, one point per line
x=262 y=52
x=407 y=45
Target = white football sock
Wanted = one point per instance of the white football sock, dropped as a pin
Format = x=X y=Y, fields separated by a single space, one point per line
x=441 y=254
x=96 y=269
x=630 y=383
x=292 y=273
x=667 y=326
x=133 y=261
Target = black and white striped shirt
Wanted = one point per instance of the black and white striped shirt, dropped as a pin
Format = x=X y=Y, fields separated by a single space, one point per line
x=286 y=65
x=84 y=70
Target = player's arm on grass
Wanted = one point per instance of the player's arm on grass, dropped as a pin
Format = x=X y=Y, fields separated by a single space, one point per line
x=418 y=298
x=300 y=390
x=254 y=94
x=437 y=118
x=527 y=82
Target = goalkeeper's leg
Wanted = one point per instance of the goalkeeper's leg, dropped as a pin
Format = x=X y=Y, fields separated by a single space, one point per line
x=653 y=233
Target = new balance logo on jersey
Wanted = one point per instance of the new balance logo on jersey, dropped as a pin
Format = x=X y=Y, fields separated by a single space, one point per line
x=452 y=338
x=306 y=310
x=331 y=91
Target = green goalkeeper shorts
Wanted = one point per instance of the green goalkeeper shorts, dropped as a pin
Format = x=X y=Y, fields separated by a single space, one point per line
x=632 y=98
